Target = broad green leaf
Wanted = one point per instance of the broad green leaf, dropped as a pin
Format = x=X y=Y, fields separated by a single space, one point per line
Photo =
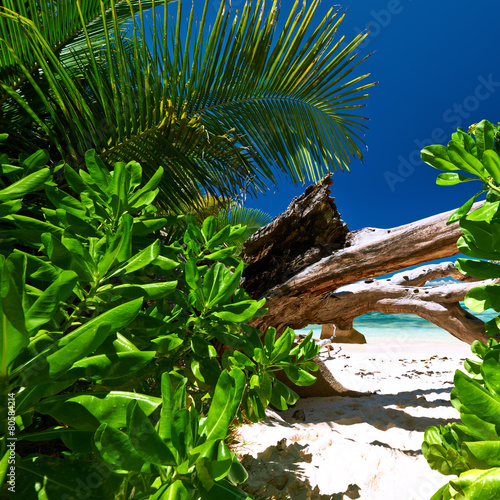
x=478 y=268
x=146 y=440
x=491 y=162
x=119 y=317
x=118 y=189
x=40 y=269
x=437 y=156
x=240 y=360
x=143 y=227
x=221 y=254
x=76 y=440
x=4 y=466
x=479 y=428
x=486 y=452
x=283 y=346
x=464 y=160
x=115 y=448
x=479 y=348
x=110 y=366
x=485 y=137
x=119 y=248
x=239 y=312
x=486 y=212
x=206 y=370
x=479 y=238
x=32 y=229
x=69 y=255
x=149 y=186
x=491 y=371
x=13 y=335
x=166 y=415
x=212 y=281
x=10 y=207
x=282 y=396
x=209 y=228
x=26 y=185
x=87 y=411
x=167 y=343
x=61 y=199
x=203 y=348
x=238 y=473
x=452 y=178
x=228 y=286
x=477 y=399
x=225 y=490
x=444 y=459
x=35 y=162
x=220 y=237
x=64 y=478
x=81 y=227
x=56 y=361
x=461 y=212
x=184 y=433
x=175 y=491
x=149 y=291
x=97 y=169
x=164 y=263
x=192 y=275
x=47 y=304
x=134 y=172
x=478 y=484
x=481 y=298
x=139 y=260
x=299 y=376
x=225 y=403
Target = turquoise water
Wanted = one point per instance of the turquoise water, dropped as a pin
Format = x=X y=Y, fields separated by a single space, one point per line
x=407 y=328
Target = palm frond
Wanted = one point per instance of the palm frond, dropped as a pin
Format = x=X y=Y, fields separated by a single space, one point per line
x=59 y=22
x=288 y=94
x=251 y=218
x=222 y=110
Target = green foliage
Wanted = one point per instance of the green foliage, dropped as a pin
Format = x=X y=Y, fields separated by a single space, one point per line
x=95 y=311
x=471 y=449
x=215 y=105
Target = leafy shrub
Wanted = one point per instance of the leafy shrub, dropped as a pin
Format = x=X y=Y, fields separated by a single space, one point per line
x=108 y=337
x=471 y=449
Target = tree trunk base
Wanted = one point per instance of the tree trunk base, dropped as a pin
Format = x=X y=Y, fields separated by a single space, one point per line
x=325 y=386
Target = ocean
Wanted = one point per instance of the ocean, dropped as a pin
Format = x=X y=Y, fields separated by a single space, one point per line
x=406 y=328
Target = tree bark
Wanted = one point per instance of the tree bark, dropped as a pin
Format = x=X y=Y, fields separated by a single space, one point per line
x=309 y=278
x=308 y=265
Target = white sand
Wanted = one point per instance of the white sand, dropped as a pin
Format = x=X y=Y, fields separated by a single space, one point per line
x=366 y=447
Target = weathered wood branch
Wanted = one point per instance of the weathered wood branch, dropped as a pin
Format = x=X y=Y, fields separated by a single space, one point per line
x=305 y=297
x=308 y=266
x=405 y=293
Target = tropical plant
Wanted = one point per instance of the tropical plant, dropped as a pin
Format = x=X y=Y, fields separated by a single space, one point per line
x=95 y=311
x=222 y=109
x=228 y=213
x=471 y=449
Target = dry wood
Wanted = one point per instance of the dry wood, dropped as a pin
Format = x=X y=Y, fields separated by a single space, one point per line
x=308 y=265
x=306 y=297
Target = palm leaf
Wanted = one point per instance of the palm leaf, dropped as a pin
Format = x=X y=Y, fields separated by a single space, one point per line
x=252 y=218
x=60 y=24
x=222 y=110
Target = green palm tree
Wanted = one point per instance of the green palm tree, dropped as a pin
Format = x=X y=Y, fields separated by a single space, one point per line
x=223 y=109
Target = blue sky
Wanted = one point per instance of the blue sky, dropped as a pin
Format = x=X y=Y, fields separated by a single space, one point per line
x=437 y=68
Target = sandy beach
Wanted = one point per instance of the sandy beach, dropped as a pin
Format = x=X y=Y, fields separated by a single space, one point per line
x=367 y=447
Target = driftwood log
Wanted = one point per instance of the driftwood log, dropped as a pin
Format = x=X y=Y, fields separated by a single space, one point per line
x=308 y=266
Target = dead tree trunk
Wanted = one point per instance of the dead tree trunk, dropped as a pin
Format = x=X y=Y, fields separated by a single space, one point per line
x=306 y=264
